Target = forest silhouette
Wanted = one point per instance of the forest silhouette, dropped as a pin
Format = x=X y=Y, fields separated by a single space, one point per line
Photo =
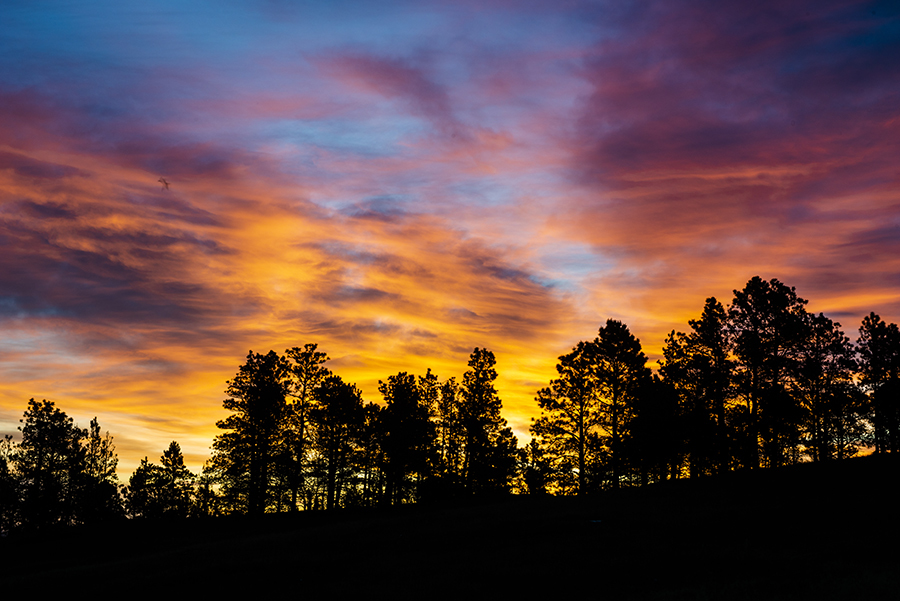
x=759 y=385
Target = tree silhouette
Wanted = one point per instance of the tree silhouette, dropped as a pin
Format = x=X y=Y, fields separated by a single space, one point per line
x=9 y=486
x=489 y=455
x=339 y=417
x=244 y=454
x=178 y=481
x=98 y=496
x=407 y=433
x=823 y=385
x=450 y=435
x=308 y=373
x=164 y=490
x=620 y=372
x=49 y=461
x=571 y=421
x=697 y=366
x=430 y=392
x=143 y=495
x=652 y=445
x=879 y=351
x=58 y=474
x=206 y=501
x=535 y=469
x=100 y=457
x=369 y=458
x=768 y=328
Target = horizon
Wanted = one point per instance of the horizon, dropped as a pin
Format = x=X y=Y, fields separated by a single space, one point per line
x=401 y=184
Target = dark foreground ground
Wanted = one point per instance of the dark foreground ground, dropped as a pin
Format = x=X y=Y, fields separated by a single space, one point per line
x=806 y=532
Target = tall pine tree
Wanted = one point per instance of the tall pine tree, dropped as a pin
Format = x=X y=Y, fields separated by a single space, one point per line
x=489 y=454
x=243 y=455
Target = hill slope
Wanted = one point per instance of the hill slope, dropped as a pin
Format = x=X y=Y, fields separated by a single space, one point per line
x=809 y=531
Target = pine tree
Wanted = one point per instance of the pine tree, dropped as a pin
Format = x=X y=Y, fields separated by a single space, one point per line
x=99 y=487
x=9 y=486
x=308 y=373
x=450 y=435
x=144 y=494
x=407 y=433
x=620 y=371
x=879 y=351
x=571 y=422
x=177 y=482
x=243 y=456
x=49 y=461
x=697 y=366
x=823 y=386
x=768 y=328
x=339 y=417
x=489 y=454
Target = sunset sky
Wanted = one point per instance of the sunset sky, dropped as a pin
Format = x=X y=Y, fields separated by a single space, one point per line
x=401 y=182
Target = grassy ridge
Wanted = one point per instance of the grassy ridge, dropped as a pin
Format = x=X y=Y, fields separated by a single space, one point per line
x=808 y=531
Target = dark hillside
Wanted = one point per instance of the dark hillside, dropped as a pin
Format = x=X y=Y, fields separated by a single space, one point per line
x=809 y=531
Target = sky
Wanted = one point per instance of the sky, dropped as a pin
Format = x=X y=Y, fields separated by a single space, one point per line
x=401 y=182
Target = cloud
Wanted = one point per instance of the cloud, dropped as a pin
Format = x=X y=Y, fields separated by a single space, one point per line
x=725 y=84
x=47 y=210
x=28 y=168
x=723 y=140
x=397 y=79
x=488 y=175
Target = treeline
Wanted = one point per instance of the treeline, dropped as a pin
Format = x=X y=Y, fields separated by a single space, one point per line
x=761 y=383
x=298 y=438
x=301 y=438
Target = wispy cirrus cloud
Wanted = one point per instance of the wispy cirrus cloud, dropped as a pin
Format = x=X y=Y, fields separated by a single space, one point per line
x=396 y=79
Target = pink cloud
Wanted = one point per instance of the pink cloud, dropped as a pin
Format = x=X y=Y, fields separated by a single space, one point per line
x=397 y=79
